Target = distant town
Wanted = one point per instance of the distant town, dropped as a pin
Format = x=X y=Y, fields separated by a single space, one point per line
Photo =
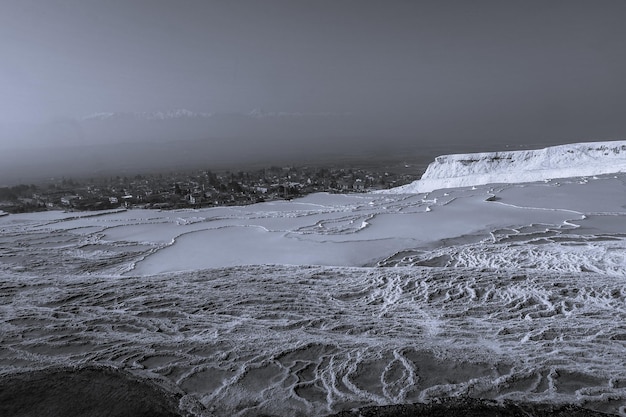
x=195 y=189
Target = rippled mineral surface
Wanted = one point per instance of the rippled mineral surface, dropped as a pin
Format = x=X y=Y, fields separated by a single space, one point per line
x=289 y=340
x=509 y=293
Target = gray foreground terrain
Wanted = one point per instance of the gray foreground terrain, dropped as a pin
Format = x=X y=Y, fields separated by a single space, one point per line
x=313 y=341
x=106 y=392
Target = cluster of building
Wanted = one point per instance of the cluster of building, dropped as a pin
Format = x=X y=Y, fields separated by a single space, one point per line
x=193 y=189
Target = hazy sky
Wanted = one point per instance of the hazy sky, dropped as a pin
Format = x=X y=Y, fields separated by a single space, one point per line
x=470 y=69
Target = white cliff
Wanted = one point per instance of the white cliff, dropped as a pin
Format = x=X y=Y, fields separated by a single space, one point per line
x=571 y=160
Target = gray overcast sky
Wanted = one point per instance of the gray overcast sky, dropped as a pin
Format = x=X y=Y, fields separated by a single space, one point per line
x=469 y=69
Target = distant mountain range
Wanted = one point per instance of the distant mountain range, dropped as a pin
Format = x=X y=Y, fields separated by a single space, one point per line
x=571 y=160
x=176 y=125
x=136 y=142
x=160 y=115
x=188 y=114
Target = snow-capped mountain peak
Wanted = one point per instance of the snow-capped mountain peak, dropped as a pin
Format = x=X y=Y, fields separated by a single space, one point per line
x=188 y=114
x=99 y=116
x=157 y=115
x=176 y=114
